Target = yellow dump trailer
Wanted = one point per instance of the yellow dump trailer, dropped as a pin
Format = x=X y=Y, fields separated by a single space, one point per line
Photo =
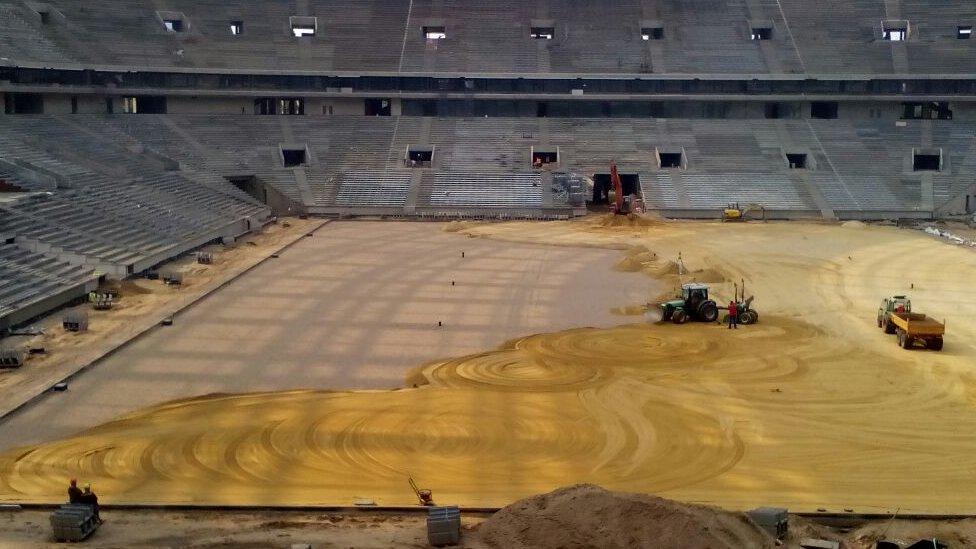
x=913 y=328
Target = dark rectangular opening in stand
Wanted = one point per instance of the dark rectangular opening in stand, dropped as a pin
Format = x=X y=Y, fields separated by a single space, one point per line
x=542 y=33
x=762 y=33
x=670 y=160
x=771 y=110
x=379 y=107
x=420 y=156
x=895 y=33
x=265 y=105
x=23 y=103
x=541 y=158
x=74 y=104
x=823 y=109
x=251 y=185
x=931 y=110
x=435 y=33
x=144 y=104
x=798 y=161
x=652 y=33
x=45 y=17
x=927 y=162
x=173 y=25
x=964 y=32
x=602 y=184
x=291 y=105
x=293 y=157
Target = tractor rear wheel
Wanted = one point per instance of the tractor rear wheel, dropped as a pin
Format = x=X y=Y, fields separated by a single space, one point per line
x=747 y=317
x=679 y=317
x=708 y=311
x=935 y=344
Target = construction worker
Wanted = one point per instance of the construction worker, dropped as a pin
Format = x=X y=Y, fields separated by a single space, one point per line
x=74 y=493
x=88 y=497
x=733 y=315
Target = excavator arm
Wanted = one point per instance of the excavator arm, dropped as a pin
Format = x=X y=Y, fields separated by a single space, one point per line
x=618 y=188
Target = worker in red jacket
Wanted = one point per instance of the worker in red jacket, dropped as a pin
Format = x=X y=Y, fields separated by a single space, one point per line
x=733 y=315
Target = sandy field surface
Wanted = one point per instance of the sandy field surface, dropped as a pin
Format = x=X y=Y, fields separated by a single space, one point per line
x=143 y=303
x=355 y=306
x=812 y=408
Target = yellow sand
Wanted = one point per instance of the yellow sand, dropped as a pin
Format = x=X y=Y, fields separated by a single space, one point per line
x=814 y=407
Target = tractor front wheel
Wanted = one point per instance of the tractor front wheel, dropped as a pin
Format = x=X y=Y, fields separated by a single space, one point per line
x=679 y=317
x=747 y=317
x=668 y=312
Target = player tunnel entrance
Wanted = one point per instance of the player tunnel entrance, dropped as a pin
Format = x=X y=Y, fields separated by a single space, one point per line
x=602 y=186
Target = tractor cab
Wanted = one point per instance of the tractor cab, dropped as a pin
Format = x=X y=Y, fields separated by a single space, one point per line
x=897 y=303
x=890 y=305
x=692 y=304
x=694 y=292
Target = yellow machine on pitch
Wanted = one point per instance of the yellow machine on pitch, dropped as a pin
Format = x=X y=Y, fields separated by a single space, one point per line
x=734 y=212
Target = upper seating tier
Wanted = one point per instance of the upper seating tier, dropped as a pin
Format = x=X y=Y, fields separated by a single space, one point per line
x=839 y=37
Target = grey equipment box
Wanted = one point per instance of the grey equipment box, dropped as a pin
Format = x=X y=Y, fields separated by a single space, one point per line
x=76 y=321
x=444 y=526
x=774 y=520
x=73 y=522
x=11 y=358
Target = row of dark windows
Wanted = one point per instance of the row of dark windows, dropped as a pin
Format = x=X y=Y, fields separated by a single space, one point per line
x=32 y=103
x=461 y=85
x=302 y=27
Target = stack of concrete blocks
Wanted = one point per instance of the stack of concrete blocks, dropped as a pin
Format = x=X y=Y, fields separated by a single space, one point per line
x=774 y=520
x=73 y=522
x=444 y=526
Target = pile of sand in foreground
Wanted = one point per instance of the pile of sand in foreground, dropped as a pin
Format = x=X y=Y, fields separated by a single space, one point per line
x=589 y=516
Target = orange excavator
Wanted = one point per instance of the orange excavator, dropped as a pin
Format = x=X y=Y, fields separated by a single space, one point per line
x=622 y=205
x=619 y=207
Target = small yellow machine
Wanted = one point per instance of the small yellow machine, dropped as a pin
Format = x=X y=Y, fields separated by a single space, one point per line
x=734 y=212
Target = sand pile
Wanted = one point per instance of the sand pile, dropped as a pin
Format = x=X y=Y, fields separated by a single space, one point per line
x=638 y=258
x=457 y=226
x=589 y=516
x=629 y=220
x=854 y=224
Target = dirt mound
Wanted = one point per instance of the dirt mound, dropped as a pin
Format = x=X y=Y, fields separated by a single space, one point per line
x=637 y=259
x=457 y=226
x=589 y=516
x=710 y=276
x=854 y=224
x=630 y=220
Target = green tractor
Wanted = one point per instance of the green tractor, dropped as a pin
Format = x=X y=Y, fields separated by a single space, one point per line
x=692 y=304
